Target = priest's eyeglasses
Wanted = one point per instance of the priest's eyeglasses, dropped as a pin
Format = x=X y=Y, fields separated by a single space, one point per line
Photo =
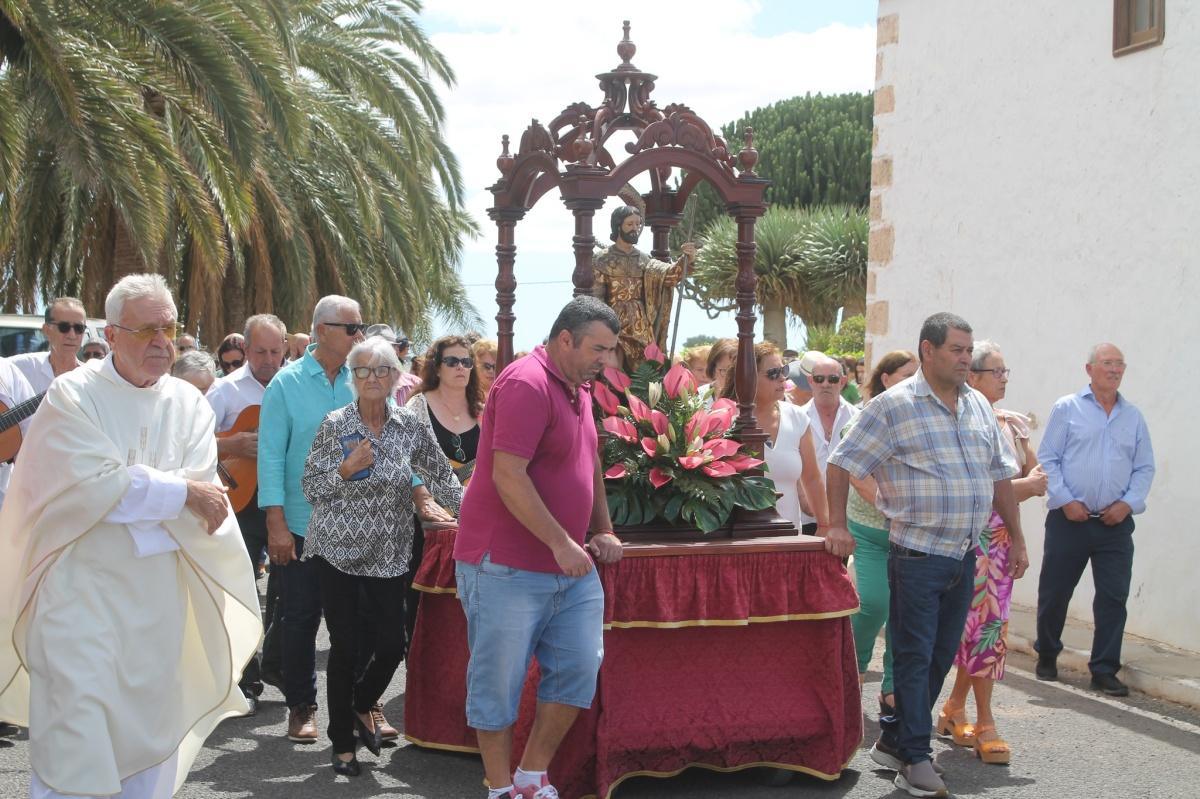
x=363 y=372
x=148 y=333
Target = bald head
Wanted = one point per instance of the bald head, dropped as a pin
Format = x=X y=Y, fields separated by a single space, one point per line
x=826 y=381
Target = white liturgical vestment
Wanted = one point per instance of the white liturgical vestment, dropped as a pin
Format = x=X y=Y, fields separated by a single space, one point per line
x=124 y=626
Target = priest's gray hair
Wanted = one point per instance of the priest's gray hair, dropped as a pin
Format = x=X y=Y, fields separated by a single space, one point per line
x=134 y=287
x=981 y=352
x=194 y=362
x=327 y=309
x=375 y=351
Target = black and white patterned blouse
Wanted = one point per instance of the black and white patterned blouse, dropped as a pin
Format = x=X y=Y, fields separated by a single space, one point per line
x=365 y=527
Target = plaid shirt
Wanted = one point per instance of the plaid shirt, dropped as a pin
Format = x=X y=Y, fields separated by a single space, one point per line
x=935 y=470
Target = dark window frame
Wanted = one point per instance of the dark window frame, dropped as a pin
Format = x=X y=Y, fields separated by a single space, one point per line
x=1125 y=39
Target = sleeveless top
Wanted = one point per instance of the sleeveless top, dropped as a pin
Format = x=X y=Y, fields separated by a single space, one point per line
x=783 y=460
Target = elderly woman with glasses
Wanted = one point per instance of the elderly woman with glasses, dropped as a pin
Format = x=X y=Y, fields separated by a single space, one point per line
x=358 y=477
x=790 y=453
x=981 y=654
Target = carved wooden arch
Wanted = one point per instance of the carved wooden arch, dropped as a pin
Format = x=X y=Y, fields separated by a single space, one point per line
x=572 y=154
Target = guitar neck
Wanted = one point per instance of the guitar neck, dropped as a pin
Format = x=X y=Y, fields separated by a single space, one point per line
x=20 y=412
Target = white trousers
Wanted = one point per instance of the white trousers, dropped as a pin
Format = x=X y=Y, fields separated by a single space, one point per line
x=156 y=782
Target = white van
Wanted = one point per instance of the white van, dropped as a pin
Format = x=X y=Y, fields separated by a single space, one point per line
x=23 y=333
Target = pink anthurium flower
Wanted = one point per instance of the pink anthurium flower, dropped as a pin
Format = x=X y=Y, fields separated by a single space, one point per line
x=639 y=409
x=608 y=401
x=650 y=445
x=695 y=424
x=620 y=428
x=719 y=469
x=659 y=478
x=653 y=353
x=617 y=379
x=616 y=472
x=724 y=404
x=719 y=421
x=743 y=462
x=660 y=422
x=677 y=379
x=722 y=447
x=691 y=461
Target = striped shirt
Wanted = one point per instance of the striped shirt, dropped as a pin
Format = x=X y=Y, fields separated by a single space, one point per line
x=936 y=468
x=1094 y=457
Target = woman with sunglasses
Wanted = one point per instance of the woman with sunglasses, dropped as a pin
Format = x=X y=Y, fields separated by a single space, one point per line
x=231 y=354
x=485 y=351
x=790 y=454
x=358 y=477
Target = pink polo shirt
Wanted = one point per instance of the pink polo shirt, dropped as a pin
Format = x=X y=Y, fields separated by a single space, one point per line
x=531 y=412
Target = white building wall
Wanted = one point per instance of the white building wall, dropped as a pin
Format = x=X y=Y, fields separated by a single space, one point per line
x=1050 y=194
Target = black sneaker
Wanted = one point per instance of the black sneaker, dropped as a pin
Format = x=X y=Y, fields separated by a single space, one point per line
x=1109 y=684
x=1047 y=668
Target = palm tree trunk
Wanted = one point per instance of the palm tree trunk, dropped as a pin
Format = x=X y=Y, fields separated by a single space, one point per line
x=775 y=323
x=127 y=259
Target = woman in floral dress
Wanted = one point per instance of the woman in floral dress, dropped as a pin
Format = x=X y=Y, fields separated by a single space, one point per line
x=980 y=658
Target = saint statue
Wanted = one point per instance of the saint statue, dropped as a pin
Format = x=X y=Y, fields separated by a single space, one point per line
x=639 y=288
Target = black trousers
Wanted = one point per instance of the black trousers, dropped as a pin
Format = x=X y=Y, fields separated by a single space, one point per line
x=1069 y=548
x=344 y=598
x=253 y=522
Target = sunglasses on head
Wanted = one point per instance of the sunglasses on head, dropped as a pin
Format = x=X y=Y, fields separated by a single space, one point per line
x=454 y=361
x=363 y=372
x=67 y=327
x=235 y=364
x=833 y=379
x=351 y=328
x=776 y=373
x=148 y=333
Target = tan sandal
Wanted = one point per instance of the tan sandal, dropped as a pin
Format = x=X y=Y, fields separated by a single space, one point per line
x=962 y=731
x=990 y=747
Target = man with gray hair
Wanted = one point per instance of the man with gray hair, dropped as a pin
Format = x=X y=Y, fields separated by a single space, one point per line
x=828 y=414
x=197 y=368
x=64 y=328
x=126 y=609
x=1099 y=465
x=293 y=406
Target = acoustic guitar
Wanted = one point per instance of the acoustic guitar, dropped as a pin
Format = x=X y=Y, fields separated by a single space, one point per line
x=10 y=418
x=240 y=475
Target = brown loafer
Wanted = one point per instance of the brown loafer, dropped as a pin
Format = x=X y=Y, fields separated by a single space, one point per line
x=302 y=724
x=386 y=731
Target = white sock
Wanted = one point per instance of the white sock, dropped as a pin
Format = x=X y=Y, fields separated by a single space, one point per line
x=500 y=793
x=528 y=779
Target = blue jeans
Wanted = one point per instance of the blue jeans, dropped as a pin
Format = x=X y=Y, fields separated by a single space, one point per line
x=931 y=595
x=513 y=614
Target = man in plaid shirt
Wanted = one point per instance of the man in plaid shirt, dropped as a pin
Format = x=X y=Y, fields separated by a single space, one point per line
x=937 y=454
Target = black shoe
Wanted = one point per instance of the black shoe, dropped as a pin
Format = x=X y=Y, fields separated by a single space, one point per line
x=252 y=701
x=1109 y=684
x=7 y=729
x=369 y=738
x=1047 y=668
x=348 y=767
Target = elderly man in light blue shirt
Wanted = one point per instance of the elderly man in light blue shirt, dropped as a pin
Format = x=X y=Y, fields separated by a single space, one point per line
x=1099 y=465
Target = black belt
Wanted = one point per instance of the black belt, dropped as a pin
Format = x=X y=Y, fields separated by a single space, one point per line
x=912 y=553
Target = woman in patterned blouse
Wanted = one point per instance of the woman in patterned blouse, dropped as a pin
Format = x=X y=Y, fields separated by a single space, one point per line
x=358 y=478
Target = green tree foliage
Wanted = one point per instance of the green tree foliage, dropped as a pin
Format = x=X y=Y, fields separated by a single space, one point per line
x=258 y=153
x=701 y=340
x=851 y=337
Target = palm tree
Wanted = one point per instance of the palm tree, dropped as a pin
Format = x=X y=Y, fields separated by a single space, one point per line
x=835 y=258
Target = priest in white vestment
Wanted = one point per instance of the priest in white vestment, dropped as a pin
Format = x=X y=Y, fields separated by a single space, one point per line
x=127 y=605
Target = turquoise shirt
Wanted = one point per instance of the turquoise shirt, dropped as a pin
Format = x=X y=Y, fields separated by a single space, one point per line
x=294 y=405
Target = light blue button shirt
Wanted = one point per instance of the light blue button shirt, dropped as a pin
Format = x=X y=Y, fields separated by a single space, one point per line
x=1096 y=458
x=293 y=407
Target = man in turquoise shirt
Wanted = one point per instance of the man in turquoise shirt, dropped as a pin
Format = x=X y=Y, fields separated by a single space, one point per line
x=295 y=403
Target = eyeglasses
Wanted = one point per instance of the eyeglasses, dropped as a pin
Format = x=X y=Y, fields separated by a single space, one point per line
x=489 y=367
x=363 y=372
x=999 y=374
x=351 y=328
x=833 y=380
x=231 y=365
x=777 y=373
x=453 y=362
x=67 y=327
x=91 y=356
x=148 y=333
x=1112 y=364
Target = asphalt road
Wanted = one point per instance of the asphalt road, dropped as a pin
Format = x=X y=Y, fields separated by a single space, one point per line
x=1068 y=744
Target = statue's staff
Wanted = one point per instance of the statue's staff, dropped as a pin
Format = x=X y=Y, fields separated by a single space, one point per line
x=679 y=301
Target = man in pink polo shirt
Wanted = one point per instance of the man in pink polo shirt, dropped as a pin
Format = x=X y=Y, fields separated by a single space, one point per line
x=525 y=574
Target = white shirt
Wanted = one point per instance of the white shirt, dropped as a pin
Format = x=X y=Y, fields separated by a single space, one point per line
x=14 y=389
x=233 y=394
x=784 y=463
x=824 y=448
x=36 y=368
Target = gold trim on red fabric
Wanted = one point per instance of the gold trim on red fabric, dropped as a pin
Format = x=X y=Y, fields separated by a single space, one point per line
x=746 y=622
x=471 y=750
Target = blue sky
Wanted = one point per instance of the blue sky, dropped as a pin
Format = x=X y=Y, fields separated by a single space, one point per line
x=761 y=51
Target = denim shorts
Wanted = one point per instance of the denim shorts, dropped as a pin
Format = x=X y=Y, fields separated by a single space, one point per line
x=513 y=614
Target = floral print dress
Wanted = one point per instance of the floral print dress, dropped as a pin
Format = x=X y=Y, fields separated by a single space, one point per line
x=983 y=647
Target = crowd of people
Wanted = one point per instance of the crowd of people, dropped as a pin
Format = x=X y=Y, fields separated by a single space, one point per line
x=356 y=445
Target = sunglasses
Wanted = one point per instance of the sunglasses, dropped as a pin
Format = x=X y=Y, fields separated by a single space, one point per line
x=148 y=333
x=777 y=373
x=351 y=328
x=91 y=356
x=232 y=364
x=833 y=380
x=459 y=454
x=67 y=327
x=453 y=362
x=363 y=372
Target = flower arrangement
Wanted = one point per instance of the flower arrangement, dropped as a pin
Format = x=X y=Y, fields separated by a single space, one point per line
x=668 y=457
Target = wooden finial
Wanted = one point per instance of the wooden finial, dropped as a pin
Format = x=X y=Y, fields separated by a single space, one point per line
x=505 y=161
